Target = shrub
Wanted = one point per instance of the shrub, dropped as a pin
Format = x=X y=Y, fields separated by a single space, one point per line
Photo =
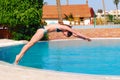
x=110 y=18
x=117 y=21
x=101 y=21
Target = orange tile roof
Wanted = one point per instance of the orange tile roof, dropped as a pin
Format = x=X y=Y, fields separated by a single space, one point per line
x=50 y=11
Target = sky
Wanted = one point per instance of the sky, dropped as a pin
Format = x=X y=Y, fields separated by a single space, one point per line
x=95 y=4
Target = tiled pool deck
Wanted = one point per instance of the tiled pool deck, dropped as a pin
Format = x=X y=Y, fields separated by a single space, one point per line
x=15 y=72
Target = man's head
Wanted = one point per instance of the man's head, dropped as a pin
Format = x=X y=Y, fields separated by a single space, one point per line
x=67 y=33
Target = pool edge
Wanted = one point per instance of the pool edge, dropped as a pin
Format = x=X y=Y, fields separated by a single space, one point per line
x=16 y=72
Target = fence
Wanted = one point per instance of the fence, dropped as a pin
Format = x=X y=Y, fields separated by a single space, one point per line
x=96 y=26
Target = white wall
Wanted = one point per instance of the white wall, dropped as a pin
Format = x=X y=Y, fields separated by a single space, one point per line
x=51 y=21
x=55 y=21
x=86 y=22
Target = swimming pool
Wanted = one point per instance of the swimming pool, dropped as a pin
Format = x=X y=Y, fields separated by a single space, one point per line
x=101 y=56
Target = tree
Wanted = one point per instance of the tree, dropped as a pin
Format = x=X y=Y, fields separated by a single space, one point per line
x=116 y=2
x=22 y=17
x=67 y=1
x=86 y=1
x=59 y=11
x=104 y=8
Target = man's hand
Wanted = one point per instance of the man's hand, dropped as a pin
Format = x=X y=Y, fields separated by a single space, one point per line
x=88 y=39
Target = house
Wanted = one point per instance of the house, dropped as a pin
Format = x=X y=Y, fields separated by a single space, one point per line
x=82 y=14
x=111 y=12
x=115 y=13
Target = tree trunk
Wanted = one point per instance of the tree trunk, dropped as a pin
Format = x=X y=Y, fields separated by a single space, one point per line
x=67 y=2
x=103 y=7
x=60 y=21
x=86 y=1
x=104 y=11
x=116 y=2
x=116 y=12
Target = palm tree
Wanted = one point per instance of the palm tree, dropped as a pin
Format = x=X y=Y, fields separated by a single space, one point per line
x=86 y=1
x=70 y=18
x=59 y=12
x=116 y=2
x=67 y=1
x=103 y=3
x=103 y=7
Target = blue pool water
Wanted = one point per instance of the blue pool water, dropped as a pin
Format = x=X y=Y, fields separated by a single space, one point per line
x=100 y=57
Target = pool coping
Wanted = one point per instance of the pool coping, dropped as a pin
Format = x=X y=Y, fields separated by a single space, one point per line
x=9 y=42
x=16 y=72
